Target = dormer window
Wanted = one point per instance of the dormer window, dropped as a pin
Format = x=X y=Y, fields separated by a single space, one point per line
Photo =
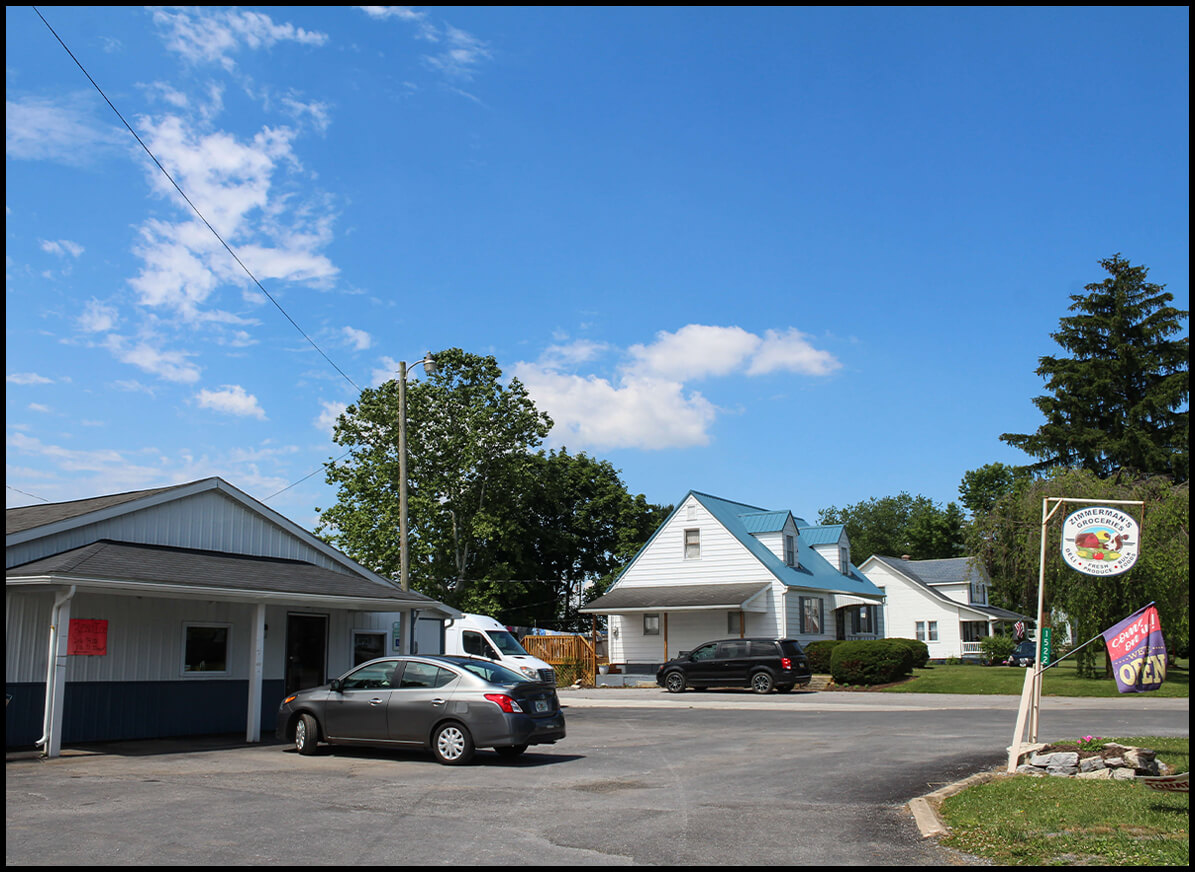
x=692 y=544
x=790 y=550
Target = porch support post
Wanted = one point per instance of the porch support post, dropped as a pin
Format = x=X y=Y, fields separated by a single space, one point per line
x=257 y=646
x=60 y=622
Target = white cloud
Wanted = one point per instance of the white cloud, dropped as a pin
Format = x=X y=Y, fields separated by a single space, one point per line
x=39 y=407
x=461 y=54
x=590 y=412
x=204 y=35
x=169 y=365
x=62 y=247
x=646 y=404
x=40 y=129
x=233 y=183
x=329 y=412
x=359 y=339
x=387 y=369
x=405 y=13
x=791 y=351
x=97 y=317
x=27 y=378
x=233 y=400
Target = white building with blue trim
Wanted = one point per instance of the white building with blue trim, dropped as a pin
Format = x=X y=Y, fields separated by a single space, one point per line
x=718 y=569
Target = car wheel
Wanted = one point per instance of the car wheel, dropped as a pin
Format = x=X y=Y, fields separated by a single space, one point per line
x=306 y=735
x=761 y=682
x=675 y=682
x=452 y=744
x=510 y=751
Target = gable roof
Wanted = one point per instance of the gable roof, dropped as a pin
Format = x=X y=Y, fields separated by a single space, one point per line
x=22 y=518
x=813 y=573
x=824 y=534
x=30 y=523
x=925 y=574
x=159 y=569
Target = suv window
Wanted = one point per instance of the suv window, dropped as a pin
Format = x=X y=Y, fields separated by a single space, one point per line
x=761 y=648
x=705 y=652
x=732 y=650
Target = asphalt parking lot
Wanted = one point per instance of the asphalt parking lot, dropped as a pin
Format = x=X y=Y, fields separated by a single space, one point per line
x=643 y=778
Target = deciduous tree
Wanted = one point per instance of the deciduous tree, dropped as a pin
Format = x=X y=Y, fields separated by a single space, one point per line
x=898 y=525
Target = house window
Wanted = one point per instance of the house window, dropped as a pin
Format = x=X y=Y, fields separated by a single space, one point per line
x=651 y=625
x=921 y=631
x=692 y=544
x=734 y=623
x=863 y=620
x=933 y=631
x=790 y=550
x=205 y=649
x=368 y=646
x=811 y=615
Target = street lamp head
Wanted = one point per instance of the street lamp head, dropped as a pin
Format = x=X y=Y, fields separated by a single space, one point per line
x=429 y=364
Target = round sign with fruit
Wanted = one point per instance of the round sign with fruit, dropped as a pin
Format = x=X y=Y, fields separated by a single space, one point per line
x=1100 y=540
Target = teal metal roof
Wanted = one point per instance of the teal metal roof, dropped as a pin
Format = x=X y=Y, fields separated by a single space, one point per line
x=827 y=534
x=814 y=573
x=764 y=522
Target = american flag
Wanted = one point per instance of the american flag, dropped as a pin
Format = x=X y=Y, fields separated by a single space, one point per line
x=1019 y=627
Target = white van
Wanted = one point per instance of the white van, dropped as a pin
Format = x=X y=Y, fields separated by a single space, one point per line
x=482 y=636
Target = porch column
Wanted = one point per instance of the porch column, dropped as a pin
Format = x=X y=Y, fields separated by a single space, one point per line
x=257 y=646
x=60 y=622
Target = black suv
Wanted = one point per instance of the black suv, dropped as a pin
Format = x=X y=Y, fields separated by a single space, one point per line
x=760 y=664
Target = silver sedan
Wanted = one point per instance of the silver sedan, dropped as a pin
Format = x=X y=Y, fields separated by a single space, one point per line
x=450 y=705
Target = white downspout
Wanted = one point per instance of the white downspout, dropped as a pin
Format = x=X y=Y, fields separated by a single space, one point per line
x=257 y=644
x=60 y=616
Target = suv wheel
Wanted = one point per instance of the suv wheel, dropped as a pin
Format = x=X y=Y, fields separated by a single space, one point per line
x=761 y=682
x=675 y=682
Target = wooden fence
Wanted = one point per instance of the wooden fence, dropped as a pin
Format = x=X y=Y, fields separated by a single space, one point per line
x=572 y=657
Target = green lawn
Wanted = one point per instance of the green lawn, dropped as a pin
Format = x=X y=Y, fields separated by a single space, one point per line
x=1022 y=820
x=1060 y=680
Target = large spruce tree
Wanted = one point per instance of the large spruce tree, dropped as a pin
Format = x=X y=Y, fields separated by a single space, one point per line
x=1119 y=399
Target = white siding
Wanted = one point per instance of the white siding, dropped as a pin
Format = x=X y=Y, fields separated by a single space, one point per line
x=907 y=603
x=723 y=558
x=209 y=521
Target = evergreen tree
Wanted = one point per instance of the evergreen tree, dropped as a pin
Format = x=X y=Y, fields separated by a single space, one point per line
x=1119 y=400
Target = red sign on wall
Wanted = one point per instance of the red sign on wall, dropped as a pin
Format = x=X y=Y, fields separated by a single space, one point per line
x=87 y=636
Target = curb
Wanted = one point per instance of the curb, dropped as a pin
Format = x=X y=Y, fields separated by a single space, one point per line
x=925 y=808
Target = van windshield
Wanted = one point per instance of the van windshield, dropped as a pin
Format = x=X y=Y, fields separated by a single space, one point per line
x=506 y=643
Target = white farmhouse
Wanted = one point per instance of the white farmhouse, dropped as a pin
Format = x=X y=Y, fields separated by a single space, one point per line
x=717 y=568
x=943 y=603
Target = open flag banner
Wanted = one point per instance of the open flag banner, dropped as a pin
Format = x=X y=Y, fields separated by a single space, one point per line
x=1138 y=652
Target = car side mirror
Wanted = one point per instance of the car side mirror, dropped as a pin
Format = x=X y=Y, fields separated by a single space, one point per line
x=334 y=686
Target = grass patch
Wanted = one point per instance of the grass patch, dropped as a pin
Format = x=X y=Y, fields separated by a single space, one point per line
x=1060 y=680
x=1022 y=820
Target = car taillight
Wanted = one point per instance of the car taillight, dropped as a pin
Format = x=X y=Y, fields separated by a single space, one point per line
x=504 y=702
x=786 y=663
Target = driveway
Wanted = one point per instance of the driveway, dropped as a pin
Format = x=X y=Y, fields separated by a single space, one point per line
x=643 y=778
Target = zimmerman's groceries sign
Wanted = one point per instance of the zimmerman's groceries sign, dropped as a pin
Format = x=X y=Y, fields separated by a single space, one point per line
x=1100 y=541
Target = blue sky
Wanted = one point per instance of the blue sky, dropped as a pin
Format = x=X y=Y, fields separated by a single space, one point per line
x=791 y=257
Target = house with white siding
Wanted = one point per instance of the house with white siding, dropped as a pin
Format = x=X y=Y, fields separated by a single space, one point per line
x=943 y=603
x=717 y=568
x=181 y=610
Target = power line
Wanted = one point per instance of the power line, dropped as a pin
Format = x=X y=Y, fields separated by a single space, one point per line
x=194 y=208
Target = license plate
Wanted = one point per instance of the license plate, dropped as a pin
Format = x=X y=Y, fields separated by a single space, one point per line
x=541 y=705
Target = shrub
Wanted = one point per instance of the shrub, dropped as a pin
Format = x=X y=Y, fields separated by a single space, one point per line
x=997 y=649
x=876 y=661
x=919 y=650
x=819 y=654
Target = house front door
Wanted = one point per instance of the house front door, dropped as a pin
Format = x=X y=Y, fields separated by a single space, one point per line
x=306 y=651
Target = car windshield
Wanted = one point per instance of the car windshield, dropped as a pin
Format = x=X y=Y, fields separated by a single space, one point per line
x=491 y=672
x=506 y=643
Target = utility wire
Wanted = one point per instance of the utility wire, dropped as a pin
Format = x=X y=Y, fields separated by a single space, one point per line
x=194 y=208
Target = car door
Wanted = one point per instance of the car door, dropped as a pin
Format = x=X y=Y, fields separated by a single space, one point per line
x=734 y=661
x=703 y=668
x=357 y=711
x=420 y=699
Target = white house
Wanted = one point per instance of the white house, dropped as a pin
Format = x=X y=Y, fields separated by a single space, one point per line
x=943 y=603
x=717 y=568
x=178 y=611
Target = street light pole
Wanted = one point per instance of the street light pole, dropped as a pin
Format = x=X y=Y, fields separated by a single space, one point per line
x=404 y=558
